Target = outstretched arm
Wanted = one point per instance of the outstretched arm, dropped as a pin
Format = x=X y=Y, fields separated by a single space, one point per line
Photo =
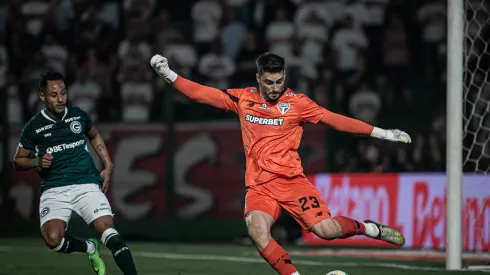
x=355 y=126
x=346 y=124
x=312 y=112
x=200 y=93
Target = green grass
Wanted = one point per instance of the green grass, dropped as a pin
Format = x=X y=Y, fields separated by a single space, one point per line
x=30 y=256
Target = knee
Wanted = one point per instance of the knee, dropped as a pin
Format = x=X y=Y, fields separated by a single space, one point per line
x=102 y=224
x=327 y=229
x=259 y=233
x=53 y=238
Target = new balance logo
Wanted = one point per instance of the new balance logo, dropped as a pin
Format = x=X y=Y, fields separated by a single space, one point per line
x=264 y=107
x=264 y=121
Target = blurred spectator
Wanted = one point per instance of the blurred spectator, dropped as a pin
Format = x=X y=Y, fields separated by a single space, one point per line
x=243 y=9
x=309 y=8
x=365 y=104
x=84 y=93
x=97 y=69
x=348 y=43
x=137 y=97
x=166 y=31
x=432 y=16
x=245 y=61
x=358 y=11
x=314 y=35
x=216 y=67
x=280 y=32
x=182 y=54
x=206 y=15
x=55 y=53
x=232 y=34
x=396 y=52
x=15 y=115
x=94 y=32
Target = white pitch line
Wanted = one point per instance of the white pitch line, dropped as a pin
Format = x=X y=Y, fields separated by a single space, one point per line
x=241 y=259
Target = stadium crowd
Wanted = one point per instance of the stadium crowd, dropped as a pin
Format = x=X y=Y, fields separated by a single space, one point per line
x=381 y=61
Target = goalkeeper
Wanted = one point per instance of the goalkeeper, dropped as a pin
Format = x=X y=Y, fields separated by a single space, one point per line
x=272 y=118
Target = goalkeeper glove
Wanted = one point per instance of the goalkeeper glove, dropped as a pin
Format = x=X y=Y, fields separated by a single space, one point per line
x=160 y=65
x=391 y=135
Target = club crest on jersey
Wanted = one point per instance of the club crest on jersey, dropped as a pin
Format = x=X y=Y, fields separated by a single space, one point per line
x=283 y=107
x=76 y=127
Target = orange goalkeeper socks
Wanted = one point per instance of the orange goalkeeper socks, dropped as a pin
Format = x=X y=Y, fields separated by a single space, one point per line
x=350 y=227
x=278 y=258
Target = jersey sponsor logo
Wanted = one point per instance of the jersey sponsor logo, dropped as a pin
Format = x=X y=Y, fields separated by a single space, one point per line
x=44 y=128
x=264 y=107
x=72 y=119
x=65 y=146
x=253 y=90
x=47 y=135
x=264 y=121
x=76 y=127
x=290 y=94
x=283 y=107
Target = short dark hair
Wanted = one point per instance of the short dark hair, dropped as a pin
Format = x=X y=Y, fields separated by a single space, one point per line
x=269 y=63
x=48 y=75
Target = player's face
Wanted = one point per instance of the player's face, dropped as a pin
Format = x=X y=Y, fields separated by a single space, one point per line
x=271 y=85
x=54 y=97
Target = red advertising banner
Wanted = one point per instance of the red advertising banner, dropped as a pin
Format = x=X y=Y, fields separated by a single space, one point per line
x=413 y=203
x=209 y=171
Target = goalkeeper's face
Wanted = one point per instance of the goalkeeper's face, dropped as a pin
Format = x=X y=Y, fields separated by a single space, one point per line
x=54 y=97
x=271 y=85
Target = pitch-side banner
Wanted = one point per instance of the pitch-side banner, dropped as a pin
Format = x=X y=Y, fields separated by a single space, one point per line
x=413 y=203
x=209 y=172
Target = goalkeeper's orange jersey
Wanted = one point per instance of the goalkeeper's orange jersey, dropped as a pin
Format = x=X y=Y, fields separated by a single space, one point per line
x=271 y=131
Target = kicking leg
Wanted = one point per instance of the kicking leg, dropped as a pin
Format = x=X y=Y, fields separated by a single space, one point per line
x=343 y=227
x=122 y=255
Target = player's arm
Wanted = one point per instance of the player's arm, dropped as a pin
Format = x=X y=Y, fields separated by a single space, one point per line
x=312 y=112
x=200 y=93
x=98 y=144
x=23 y=159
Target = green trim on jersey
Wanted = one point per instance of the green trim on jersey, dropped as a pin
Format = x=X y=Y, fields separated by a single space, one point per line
x=66 y=139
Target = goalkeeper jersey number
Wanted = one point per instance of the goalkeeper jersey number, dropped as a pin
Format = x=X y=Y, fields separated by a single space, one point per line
x=66 y=139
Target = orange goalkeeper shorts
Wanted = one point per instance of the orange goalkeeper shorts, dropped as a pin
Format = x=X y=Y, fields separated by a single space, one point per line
x=298 y=196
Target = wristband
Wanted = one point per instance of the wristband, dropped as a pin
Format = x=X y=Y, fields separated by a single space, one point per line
x=35 y=162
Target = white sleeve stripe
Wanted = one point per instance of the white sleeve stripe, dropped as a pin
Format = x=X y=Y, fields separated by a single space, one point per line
x=20 y=145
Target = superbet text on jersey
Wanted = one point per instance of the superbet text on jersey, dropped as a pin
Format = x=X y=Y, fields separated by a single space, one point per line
x=271 y=131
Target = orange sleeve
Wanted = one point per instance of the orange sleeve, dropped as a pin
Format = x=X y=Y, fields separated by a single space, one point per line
x=314 y=113
x=309 y=110
x=223 y=99
x=346 y=124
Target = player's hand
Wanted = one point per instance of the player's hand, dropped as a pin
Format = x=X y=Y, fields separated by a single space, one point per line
x=45 y=161
x=391 y=135
x=106 y=176
x=160 y=65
